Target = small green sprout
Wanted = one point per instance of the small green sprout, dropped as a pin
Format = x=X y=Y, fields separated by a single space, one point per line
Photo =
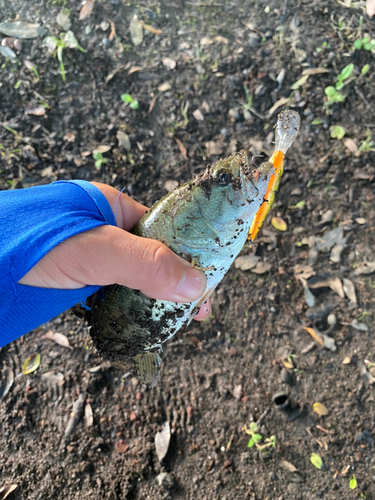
x=99 y=160
x=365 y=69
x=366 y=43
x=332 y=92
x=256 y=438
x=367 y=145
x=344 y=75
x=353 y=483
x=316 y=460
x=57 y=45
x=127 y=98
x=337 y=132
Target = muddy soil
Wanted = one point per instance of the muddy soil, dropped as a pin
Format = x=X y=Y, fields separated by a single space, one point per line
x=210 y=83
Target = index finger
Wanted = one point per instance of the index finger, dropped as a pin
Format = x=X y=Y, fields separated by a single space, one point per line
x=128 y=210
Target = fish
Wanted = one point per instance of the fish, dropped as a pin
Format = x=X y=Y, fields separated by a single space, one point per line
x=206 y=221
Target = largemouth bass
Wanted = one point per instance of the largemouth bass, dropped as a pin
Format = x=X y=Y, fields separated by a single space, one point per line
x=205 y=221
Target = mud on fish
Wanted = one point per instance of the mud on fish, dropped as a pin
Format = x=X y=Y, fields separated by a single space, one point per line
x=205 y=221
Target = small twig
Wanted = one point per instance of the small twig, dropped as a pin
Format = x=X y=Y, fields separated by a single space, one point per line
x=312 y=437
x=263 y=415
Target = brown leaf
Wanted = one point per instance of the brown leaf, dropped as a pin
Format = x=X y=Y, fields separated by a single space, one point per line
x=315 y=71
x=213 y=148
x=169 y=63
x=121 y=446
x=164 y=87
x=59 y=338
x=246 y=262
x=86 y=9
x=315 y=335
x=351 y=145
x=262 y=267
x=7 y=490
x=151 y=29
x=198 y=115
x=113 y=31
x=181 y=147
x=35 y=110
x=134 y=69
x=89 y=419
x=288 y=466
x=370 y=8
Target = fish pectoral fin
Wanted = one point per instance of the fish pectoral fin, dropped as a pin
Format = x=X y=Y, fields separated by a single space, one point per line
x=196 y=265
x=148 y=367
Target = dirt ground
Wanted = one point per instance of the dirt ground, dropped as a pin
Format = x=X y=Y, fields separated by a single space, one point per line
x=220 y=375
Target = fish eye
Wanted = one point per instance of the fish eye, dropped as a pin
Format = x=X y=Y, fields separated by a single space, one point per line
x=222 y=176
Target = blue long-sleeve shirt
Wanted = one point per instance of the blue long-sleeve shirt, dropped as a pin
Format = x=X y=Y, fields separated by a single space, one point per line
x=32 y=222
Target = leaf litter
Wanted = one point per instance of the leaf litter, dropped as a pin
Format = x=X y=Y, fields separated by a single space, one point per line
x=7 y=382
x=322 y=338
x=59 y=338
x=162 y=439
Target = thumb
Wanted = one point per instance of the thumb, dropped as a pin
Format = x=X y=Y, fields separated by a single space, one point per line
x=108 y=254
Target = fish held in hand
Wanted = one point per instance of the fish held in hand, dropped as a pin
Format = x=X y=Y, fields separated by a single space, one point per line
x=205 y=221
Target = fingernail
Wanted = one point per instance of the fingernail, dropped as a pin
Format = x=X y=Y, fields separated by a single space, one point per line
x=192 y=285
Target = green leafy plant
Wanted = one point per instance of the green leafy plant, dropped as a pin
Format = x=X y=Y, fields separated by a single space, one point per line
x=333 y=94
x=337 y=132
x=57 y=45
x=365 y=43
x=367 y=145
x=127 y=98
x=256 y=439
x=365 y=69
x=99 y=160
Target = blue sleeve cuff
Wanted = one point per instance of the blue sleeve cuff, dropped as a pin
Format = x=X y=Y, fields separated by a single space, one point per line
x=33 y=221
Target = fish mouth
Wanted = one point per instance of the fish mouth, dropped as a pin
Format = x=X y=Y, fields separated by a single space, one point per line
x=252 y=178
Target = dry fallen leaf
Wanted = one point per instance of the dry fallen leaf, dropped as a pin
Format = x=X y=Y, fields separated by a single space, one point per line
x=59 y=338
x=347 y=360
x=288 y=466
x=315 y=335
x=35 y=110
x=6 y=490
x=198 y=115
x=279 y=223
x=103 y=148
x=320 y=409
x=162 y=440
x=164 y=87
x=169 y=63
x=136 y=31
x=370 y=7
x=89 y=419
x=151 y=29
x=262 y=267
x=123 y=140
x=181 y=147
x=213 y=148
x=246 y=262
x=351 y=145
x=31 y=364
x=86 y=10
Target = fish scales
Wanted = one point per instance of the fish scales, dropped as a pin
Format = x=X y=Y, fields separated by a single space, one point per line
x=205 y=221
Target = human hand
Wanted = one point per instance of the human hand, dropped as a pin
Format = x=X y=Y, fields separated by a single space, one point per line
x=109 y=254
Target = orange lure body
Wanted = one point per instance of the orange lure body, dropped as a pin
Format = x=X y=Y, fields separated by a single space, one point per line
x=277 y=160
